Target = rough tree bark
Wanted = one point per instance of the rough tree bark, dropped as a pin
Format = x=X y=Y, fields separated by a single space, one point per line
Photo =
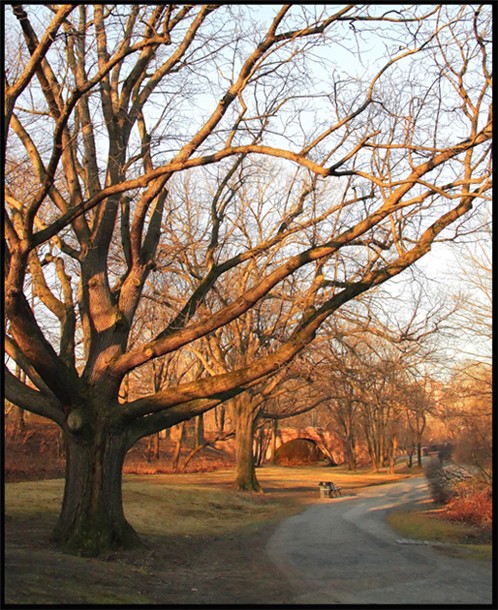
x=245 y=466
x=92 y=517
x=273 y=442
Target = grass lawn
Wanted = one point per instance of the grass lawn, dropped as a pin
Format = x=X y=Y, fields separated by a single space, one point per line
x=199 y=503
x=420 y=523
x=201 y=537
x=198 y=532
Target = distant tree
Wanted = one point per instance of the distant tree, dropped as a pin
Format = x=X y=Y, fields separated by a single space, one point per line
x=418 y=403
x=111 y=111
x=372 y=363
x=467 y=397
x=475 y=300
x=335 y=363
x=467 y=401
x=299 y=394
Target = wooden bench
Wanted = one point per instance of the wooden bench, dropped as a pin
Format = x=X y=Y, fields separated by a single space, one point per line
x=329 y=489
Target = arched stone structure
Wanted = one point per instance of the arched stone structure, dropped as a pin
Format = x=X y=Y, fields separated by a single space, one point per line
x=325 y=441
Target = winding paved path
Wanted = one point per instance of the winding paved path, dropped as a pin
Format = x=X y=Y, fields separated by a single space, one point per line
x=341 y=551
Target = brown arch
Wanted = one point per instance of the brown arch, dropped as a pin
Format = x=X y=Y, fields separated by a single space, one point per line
x=284 y=437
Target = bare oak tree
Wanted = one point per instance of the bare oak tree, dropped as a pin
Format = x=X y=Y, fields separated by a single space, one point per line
x=108 y=109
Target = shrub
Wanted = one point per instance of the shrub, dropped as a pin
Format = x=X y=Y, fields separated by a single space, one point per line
x=473 y=504
x=439 y=484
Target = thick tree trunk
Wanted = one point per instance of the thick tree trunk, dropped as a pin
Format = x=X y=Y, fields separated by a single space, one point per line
x=419 y=454
x=153 y=447
x=178 y=446
x=273 y=445
x=350 y=450
x=421 y=424
x=219 y=414
x=372 y=452
x=18 y=415
x=382 y=454
x=409 y=461
x=260 y=446
x=18 y=426
x=244 y=434
x=392 y=454
x=92 y=521
x=199 y=430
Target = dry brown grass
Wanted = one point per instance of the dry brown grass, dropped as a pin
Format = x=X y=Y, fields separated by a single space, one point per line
x=201 y=542
x=202 y=539
x=208 y=503
x=197 y=503
x=275 y=479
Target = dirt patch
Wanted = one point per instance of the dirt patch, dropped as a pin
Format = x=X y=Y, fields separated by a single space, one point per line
x=226 y=565
x=167 y=570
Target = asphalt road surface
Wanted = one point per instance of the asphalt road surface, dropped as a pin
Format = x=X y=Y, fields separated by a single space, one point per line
x=341 y=551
